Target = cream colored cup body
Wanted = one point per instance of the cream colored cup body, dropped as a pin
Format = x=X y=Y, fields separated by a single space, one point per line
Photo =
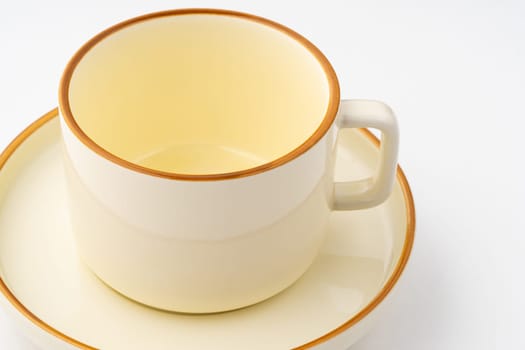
x=198 y=246
x=208 y=242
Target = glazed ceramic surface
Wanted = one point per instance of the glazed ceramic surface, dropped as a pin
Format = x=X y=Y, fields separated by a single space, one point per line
x=61 y=304
x=208 y=241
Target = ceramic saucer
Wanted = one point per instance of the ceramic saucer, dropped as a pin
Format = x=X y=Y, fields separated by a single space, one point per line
x=61 y=305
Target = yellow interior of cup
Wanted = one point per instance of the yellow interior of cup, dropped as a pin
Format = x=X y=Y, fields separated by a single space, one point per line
x=199 y=93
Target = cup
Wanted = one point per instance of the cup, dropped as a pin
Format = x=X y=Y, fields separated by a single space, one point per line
x=199 y=152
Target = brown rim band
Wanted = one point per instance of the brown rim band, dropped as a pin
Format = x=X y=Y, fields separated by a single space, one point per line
x=330 y=114
x=387 y=287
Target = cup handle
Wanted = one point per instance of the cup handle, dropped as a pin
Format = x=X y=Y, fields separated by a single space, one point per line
x=374 y=190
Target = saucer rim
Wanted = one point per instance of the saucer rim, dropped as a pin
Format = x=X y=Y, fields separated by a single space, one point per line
x=378 y=298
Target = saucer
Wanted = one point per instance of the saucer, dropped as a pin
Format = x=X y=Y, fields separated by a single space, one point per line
x=60 y=304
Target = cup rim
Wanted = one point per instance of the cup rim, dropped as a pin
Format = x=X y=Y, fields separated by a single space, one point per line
x=322 y=129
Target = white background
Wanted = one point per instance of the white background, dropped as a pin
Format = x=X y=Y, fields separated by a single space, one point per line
x=454 y=72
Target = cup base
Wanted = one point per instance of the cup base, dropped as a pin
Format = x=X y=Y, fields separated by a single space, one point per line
x=196 y=276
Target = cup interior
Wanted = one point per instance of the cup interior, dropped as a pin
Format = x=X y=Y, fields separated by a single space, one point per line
x=200 y=93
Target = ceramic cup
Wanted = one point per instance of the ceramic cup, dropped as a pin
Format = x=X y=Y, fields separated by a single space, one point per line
x=199 y=149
